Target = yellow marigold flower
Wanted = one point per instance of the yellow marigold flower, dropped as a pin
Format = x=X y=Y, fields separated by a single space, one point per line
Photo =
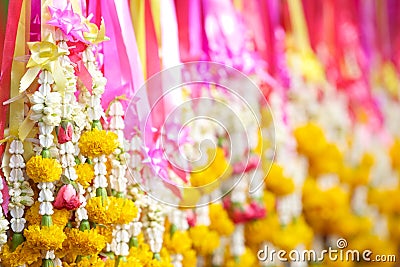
x=248 y=258
x=220 y=221
x=100 y=212
x=85 y=174
x=217 y=169
x=23 y=254
x=109 y=263
x=329 y=161
x=255 y=232
x=142 y=252
x=43 y=169
x=45 y=237
x=130 y=262
x=310 y=139
x=88 y=242
x=106 y=232
x=189 y=258
x=126 y=210
x=178 y=243
x=205 y=241
x=60 y=217
x=111 y=210
x=394 y=155
x=98 y=142
x=93 y=261
x=318 y=205
x=277 y=182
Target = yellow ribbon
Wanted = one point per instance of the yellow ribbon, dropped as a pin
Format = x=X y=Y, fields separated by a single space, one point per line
x=307 y=61
x=44 y=56
x=137 y=15
x=299 y=26
x=16 y=114
x=95 y=35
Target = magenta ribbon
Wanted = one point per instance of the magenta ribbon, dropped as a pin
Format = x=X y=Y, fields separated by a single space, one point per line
x=35 y=27
x=122 y=66
x=6 y=197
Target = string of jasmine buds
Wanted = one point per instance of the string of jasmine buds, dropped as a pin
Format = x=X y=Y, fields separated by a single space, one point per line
x=46 y=107
x=3 y=221
x=135 y=166
x=118 y=180
x=68 y=137
x=95 y=112
x=153 y=225
x=21 y=193
x=178 y=223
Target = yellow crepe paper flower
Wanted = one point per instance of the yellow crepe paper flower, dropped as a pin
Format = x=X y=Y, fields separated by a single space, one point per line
x=41 y=169
x=45 y=237
x=220 y=221
x=85 y=173
x=60 y=217
x=23 y=254
x=96 y=142
x=111 y=210
x=88 y=242
x=205 y=241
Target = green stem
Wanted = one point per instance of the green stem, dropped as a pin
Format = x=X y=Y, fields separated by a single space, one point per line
x=17 y=240
x=133 y=242
x=85 y=225
x=157 y=256
x=96 y=124
x=47 y=263
x=46 y=220
x=45 y=153
x=119 y=259
x=101 y=192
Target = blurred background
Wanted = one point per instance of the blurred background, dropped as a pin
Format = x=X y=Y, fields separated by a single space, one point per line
x=330 y=73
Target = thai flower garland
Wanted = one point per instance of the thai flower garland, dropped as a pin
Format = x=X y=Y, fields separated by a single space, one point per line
x=42 y=169
x=3 y=221
x=20 y=191
x=118 y=180
x=70 y=195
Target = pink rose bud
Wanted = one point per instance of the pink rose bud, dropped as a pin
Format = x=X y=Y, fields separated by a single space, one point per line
x=64 y=132
x=67 y=198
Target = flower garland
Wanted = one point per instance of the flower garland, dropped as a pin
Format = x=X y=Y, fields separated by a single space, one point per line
x=153 y=225
x=3 y=221
x=21 y=193
x=44 y=170
x=118 y=180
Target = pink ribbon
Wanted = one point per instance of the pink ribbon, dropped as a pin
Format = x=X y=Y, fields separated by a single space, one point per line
x=68 y=22
x=6 y=197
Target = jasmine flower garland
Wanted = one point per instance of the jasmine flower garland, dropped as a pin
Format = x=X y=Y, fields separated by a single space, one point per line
x=42 y=169
x=20 y=191
x=3 y=221
x=118 y=181
x=153 y=225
